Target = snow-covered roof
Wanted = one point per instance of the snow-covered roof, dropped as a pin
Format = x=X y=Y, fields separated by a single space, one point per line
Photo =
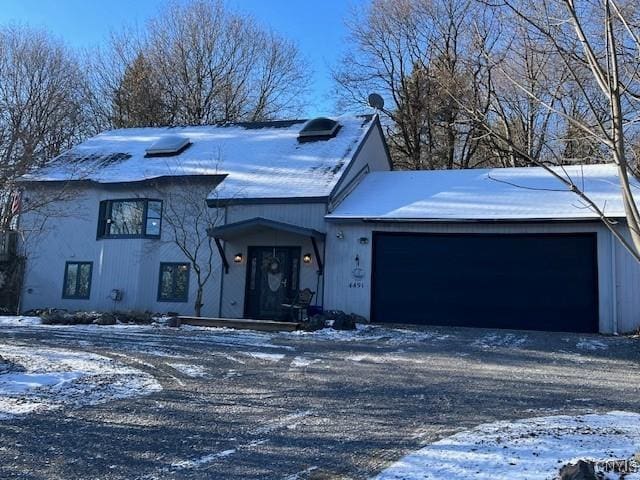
x=261 y=160
x=486 y=194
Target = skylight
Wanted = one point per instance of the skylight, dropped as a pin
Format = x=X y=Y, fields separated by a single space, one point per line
x=320 y=128
x=167 y=146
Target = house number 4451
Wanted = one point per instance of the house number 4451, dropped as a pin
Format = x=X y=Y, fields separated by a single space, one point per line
x=356 y=284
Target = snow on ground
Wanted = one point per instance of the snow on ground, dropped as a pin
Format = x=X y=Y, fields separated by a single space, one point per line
x=270 y=357
x=493 y=340
x=193 y=371
x=198 y=462
x=290 y=421
x=365 y=357
x=532 y=449
x=229 y=337
x=300 y=362
x=591 y=344
x=228 y=357
x=302 y=474
x=243 y=338
x=19 y=321
x=391 y=336
x=47 y=378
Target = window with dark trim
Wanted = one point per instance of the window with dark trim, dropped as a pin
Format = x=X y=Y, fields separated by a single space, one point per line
x=130 y=218
x=77 y=280
x=173 y=284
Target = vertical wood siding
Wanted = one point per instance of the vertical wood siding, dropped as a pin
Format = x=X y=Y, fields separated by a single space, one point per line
x=627 y=287
x=131 y=265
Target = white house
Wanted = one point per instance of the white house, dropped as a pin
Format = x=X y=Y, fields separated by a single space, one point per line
x=106 y=243
x=314 y=205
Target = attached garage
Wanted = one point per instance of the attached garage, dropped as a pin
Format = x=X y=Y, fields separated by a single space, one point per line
x=501 y=248
x=519 y=281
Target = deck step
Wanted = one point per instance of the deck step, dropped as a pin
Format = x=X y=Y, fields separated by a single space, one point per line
x=241 y=324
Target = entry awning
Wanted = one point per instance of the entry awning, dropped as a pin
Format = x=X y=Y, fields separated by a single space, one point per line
x=244 y=227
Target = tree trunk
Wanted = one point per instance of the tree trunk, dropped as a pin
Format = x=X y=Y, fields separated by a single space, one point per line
x=198 y=306
x=617 y=135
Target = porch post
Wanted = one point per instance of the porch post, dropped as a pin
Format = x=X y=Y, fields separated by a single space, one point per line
x=222 y=256
x=317 y=252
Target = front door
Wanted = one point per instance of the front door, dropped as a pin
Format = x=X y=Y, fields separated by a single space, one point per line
x=272 y=279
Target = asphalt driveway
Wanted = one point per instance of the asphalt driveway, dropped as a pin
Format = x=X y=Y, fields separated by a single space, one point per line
x=246 y=405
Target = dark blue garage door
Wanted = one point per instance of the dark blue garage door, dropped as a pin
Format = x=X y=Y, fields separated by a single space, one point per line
x=531 y=282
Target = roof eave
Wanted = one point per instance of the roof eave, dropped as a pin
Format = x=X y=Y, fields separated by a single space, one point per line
x=224 y=202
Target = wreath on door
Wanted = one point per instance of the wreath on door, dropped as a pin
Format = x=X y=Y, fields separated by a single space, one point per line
x=274 y=273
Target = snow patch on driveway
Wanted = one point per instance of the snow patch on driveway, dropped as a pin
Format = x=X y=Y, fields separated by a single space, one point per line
x=532 y=449
x=47 y=379
x=15 y=383
x=591 y=344
x=301 y=362
x=19 y=321
x=493 y=340
x=193 y=371
x=198 y=462
x=372 y=333
x=270 y=357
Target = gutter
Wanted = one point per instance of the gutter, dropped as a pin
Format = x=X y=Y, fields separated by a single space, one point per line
x=463 y=220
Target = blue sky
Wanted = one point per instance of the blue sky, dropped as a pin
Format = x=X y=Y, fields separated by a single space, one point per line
x=317 y=27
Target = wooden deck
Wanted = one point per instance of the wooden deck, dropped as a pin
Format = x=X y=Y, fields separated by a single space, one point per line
x=241 y=324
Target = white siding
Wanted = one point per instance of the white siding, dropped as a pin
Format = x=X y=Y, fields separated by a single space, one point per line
x=131 y=265
x=233 y=297
x=308 y=215
x=372 y=157
x=342 y=292
x=627 y=286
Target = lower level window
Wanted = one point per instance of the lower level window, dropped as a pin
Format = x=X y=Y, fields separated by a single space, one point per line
x=174 y=282
x=77 y=279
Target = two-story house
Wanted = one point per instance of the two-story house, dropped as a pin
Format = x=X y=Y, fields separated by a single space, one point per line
x=103 y=235
x=281 y=206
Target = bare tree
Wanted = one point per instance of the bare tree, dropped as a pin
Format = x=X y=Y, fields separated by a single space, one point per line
x=187 y=217
x=217 y=66
x=596 y=47
x=401 y=49
x=106 y=67
x=199 y=63
x=40 y=107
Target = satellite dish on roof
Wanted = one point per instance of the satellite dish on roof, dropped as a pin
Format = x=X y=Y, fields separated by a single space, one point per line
x=376 y=101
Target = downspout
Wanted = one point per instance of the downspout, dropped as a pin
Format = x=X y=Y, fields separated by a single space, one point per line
x=324 y=257
x=324 y=253
x=614 y=287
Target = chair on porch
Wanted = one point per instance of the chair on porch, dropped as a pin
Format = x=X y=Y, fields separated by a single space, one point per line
x=298 y=308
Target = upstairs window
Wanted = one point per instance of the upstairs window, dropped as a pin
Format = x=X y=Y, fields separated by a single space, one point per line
x=173 y=285
x=130 y=218
x=77 y=280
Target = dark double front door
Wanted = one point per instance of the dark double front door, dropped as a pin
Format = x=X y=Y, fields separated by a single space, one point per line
x=272 y=279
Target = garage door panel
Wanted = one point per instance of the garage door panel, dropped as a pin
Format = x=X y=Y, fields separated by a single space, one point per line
x=541 y=282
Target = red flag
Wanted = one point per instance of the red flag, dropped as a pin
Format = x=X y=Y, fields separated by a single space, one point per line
x=16 y=203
